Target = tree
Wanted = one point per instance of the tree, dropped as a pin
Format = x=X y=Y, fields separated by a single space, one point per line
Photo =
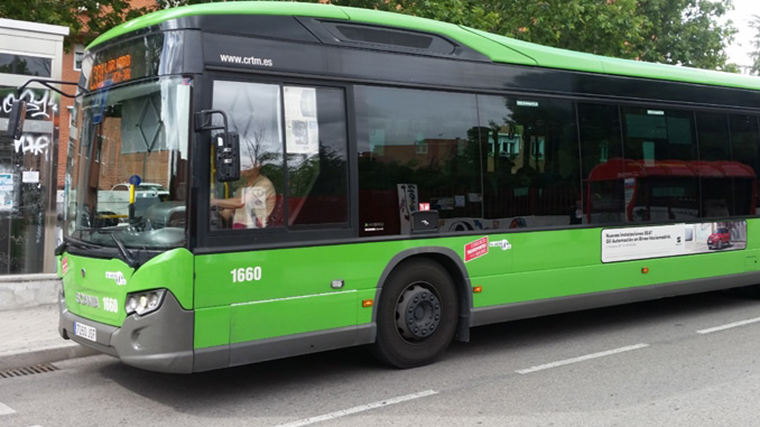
x=755 y=54
x=684 y=32
x=86 y=19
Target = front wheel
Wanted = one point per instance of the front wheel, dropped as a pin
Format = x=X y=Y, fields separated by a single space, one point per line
x=417 y=314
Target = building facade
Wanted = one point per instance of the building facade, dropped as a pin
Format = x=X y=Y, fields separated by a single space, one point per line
x=28 y=166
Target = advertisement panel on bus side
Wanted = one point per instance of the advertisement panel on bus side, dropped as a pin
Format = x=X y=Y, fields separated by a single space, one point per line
x=626 y=244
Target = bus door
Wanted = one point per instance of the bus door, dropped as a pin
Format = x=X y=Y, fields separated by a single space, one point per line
x=267 y=276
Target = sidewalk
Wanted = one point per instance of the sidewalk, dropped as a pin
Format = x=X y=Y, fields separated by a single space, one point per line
x=29 y=336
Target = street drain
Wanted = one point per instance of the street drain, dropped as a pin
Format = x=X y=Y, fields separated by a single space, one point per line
x=29 y=370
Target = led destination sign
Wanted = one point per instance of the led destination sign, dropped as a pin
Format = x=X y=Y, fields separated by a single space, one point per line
x=116 y=70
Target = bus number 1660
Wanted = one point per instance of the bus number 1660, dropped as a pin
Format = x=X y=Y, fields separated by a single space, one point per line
x=242 y=275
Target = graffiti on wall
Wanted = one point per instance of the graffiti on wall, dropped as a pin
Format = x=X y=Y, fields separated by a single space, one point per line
x=39 y=104
x=42 y=105
x=32 y=144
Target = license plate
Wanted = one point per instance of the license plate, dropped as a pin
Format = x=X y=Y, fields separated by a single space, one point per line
x=84 y=331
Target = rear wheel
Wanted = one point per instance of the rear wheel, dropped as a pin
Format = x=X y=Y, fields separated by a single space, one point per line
x=417 y=313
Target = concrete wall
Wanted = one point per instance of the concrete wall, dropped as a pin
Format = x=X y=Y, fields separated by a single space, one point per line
x=28 y=290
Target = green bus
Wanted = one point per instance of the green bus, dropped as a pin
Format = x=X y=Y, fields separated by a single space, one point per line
x=323 y=177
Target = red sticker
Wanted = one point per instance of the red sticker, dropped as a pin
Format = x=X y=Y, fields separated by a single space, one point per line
x=65 y=265
x=476 y=249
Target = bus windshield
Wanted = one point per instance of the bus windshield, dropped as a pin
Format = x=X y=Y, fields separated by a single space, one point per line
x=130 y=135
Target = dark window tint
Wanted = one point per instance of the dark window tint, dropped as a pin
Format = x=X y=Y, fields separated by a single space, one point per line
x=745 y=143
x=316 y=145
x=417 y=149
x=25 y=65
x=372 y=35
x=717 y=183
x=531 y=174
x=657 y=134
x=660 y=179
x=603 y=163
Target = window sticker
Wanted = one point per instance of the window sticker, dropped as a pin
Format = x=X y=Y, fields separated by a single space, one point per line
x=302 y=129
x=6 y=191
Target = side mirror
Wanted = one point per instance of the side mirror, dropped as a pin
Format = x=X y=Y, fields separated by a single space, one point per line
x=226 y=145
x=227 y=153
x=16 y=119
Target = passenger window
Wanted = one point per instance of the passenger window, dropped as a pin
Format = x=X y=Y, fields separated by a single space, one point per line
x=418 y=150
x=745 y=146
x=315 y=123
x=716 y=166
x=662 y=156
x=531 y=171
x=603 y=164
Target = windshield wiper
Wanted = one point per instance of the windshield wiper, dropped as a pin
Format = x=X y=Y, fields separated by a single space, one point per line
x=126 y=255
x=124 y=252
x=70 y=241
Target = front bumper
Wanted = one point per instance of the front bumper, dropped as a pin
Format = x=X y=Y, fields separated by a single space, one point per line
x=160 y=341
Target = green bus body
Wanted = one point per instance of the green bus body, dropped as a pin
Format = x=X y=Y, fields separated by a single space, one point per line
x=229 y=307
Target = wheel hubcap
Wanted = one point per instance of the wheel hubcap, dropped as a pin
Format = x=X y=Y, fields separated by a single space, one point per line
x=418 y=313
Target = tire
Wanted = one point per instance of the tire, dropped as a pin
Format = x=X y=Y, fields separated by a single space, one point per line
x=416 y=316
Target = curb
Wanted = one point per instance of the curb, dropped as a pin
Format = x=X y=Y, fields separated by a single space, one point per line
x=44 y=354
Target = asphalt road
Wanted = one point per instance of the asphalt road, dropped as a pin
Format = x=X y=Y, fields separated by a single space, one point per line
x=690 y=361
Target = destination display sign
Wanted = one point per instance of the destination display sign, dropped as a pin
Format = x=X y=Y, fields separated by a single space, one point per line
x=116 y=70
x=148 y=56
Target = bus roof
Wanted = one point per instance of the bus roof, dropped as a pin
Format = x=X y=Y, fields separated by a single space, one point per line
x=498 y=48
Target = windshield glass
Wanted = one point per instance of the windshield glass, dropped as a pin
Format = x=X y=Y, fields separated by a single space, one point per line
x=130 y=135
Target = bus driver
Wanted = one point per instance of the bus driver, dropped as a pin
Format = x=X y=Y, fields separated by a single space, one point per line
x=252 y=203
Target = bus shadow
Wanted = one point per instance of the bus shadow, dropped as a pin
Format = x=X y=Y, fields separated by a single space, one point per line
x=260 y=389
x=540 y=330
x=256 y=387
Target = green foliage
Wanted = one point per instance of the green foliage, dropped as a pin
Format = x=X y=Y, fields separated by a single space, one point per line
x=44 y=11
x=684 y=32
x=755 y=54
x=86 y=19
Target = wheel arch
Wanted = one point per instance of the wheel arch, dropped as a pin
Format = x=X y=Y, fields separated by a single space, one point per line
x=453 y=264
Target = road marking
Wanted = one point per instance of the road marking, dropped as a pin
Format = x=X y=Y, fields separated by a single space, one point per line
x=357 y=409
x=6 y=410
x=582 y=358
x=729 y=326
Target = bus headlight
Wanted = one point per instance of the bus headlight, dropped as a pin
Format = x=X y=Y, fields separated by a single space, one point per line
x=144 y=302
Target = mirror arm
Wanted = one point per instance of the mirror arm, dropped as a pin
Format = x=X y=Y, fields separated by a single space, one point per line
x=49 y=84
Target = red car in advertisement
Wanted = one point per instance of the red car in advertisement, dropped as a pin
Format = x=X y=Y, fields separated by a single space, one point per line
x=719 y=239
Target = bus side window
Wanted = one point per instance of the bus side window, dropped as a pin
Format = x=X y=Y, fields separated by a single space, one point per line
x=253 y=111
